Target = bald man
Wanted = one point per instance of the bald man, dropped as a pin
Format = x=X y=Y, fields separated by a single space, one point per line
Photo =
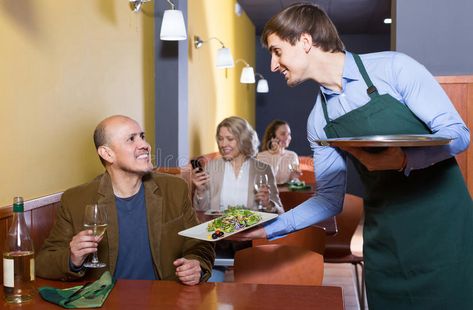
x=145 y=212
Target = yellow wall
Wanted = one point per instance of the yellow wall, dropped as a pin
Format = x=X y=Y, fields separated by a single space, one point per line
x=217 y=93
x=65 y=65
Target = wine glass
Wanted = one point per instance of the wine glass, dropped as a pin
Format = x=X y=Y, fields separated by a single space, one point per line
x=95 y=219
x=261 y=180
x=294 y=167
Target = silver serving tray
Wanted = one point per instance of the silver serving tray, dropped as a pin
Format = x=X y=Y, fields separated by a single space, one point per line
x=386 y=141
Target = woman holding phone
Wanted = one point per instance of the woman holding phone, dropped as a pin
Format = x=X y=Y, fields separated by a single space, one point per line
x=274 y=152
x=236 y=178
x=230 y=180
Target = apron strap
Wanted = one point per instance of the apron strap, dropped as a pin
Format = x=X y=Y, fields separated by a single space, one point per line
x=372 y=91
x=324 y=105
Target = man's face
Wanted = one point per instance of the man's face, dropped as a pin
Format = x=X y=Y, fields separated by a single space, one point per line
x=289 y=60
x=227 y=144
x=129 y=149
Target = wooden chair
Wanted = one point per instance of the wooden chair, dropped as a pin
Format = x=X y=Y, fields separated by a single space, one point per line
x=337 y=247
x=291 y=199
x=183 y=172
x=279 y=264
x=311 y=238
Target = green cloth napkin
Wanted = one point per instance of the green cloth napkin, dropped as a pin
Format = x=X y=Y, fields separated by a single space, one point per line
x=89 y=295
x=297 y=186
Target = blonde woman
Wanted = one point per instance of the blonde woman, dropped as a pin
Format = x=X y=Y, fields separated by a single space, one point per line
x=230 y=180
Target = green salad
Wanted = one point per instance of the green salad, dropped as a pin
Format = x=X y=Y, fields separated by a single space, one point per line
x=233 y=219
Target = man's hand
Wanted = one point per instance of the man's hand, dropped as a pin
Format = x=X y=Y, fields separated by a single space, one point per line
x=82 y=245
x=250 y=234
x=393 y=158
x=188 y=270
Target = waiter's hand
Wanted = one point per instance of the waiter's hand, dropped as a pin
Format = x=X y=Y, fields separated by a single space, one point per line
x=392 y=158
x=250 y=234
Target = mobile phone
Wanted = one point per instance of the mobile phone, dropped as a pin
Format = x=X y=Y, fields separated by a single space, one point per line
x=196 y=164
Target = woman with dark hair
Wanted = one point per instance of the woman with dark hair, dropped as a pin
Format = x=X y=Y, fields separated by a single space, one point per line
x=274 y=152
x=230 y=180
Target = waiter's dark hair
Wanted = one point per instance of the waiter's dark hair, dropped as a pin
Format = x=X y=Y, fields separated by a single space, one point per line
x=301 y=18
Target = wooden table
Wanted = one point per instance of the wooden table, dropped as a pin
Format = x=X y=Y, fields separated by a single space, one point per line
x=147 y=294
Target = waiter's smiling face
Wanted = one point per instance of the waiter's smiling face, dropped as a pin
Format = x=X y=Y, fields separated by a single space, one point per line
x=290 y=60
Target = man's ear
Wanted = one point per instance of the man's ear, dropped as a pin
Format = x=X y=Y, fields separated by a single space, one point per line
x=105 y=153
x=306 y=40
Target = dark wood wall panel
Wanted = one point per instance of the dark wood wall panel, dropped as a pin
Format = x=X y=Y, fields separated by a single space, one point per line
x=43 y=219
x=3 y=234
x=40 y=215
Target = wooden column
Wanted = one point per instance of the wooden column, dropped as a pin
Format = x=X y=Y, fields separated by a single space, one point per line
x=460 y=91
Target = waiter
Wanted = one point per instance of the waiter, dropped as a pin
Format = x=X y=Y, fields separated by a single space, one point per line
x=418 y=230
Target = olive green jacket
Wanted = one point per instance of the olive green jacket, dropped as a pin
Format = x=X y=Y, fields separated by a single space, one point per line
x=168 y=209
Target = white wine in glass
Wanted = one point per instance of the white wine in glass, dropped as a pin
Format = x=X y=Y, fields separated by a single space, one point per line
x=95 y=219
x=260 y=181
x=294 y=167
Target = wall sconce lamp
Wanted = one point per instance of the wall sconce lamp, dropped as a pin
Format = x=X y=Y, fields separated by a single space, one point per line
x=224 y=56
x=262 y=85
x=135 y=5
x=247 y=75
x=173 y=27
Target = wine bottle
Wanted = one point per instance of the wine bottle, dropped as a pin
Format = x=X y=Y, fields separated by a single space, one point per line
x=18 y=259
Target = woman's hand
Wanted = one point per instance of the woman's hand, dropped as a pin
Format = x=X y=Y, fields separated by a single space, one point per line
x=200 y=180
x=295 y=175
x=263 y=196
x=392 y=158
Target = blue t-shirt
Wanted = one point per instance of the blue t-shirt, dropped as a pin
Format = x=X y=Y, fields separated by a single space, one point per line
x=134 y=253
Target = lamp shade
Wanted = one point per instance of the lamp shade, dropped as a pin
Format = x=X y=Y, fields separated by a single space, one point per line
x=224 y=58
x=262 y=86
x=173 y=27
x=247 y=75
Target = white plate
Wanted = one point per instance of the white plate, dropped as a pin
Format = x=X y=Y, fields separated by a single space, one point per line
x=200 y=231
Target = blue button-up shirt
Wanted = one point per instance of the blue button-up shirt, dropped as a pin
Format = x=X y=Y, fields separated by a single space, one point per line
x=407 y=81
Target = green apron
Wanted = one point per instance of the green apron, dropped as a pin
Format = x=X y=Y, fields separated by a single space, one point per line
x=418 y=230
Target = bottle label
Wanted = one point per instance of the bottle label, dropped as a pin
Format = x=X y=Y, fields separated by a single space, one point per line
x=8 y=273
x=32 y=269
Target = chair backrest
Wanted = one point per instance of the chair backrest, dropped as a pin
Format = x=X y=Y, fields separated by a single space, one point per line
x=291 y=199
x=183 y=172
x=347 y=222
x=205 y=158
x=311 y=238
x=278 y=264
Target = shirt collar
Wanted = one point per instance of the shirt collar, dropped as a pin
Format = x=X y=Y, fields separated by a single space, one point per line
x=350 y=73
